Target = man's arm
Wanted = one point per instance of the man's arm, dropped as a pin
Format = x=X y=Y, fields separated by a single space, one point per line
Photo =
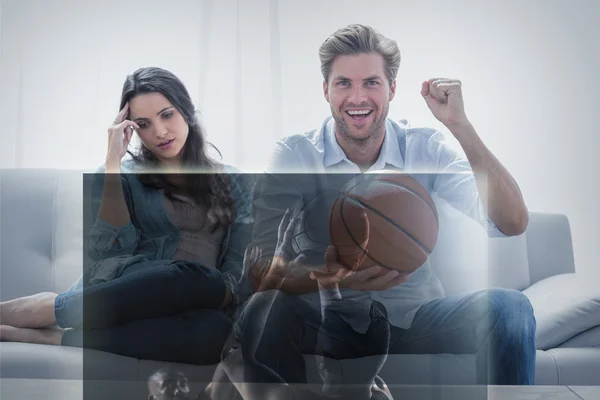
x=275 y=192
x=498 y=190
x=499 y=193
x=241 y=232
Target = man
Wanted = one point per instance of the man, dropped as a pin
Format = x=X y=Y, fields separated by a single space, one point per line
x=363 y=313
x=169 y=384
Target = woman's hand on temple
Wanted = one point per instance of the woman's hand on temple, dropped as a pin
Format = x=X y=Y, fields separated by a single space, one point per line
x=119 y=136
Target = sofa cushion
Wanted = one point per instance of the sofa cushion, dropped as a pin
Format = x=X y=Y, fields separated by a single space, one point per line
x=38 y=361
x=564 y=306
x=421 y=369
x=589 y=338
x=508 y=262
x=577 y=366
x=467 y=260
x=68 y=254
x=46 y=252
x=26 y=232
x=546 y=371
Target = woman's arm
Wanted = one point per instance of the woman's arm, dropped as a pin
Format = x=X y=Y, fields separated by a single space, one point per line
x=241 y=233
x=113 y=209
x=112 y=232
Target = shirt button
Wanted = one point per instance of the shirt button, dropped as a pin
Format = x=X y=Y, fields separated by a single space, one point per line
x=115 y=230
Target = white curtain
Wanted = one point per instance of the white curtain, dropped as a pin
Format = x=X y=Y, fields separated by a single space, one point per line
x=252 y=68
x=528 y=72
x=63 y=64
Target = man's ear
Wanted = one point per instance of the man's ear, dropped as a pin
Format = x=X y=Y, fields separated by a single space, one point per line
x=392 y=90
x=326 y=91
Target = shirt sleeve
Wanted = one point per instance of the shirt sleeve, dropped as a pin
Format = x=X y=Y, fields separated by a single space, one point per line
x=276 y=191
x=240 y=233
x=107 y=240
x=455 y=183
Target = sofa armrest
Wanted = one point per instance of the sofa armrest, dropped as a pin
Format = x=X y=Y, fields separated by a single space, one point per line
x=564 y=305
x=549 y=246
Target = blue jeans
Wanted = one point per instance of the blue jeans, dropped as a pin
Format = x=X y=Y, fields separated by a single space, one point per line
x=496 y=325
x=157 y=310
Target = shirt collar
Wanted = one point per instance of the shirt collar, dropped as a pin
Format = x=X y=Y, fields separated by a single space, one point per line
x=390 y=150
x=333 y=152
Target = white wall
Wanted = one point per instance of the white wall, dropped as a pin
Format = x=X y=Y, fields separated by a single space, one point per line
x=528 y=70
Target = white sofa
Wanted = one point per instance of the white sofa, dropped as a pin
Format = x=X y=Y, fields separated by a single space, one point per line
x=41 y=249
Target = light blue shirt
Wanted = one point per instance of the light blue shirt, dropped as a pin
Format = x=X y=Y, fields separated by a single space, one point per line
x=427 y=156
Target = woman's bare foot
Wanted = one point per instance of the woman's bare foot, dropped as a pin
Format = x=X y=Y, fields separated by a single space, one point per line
x=36 y=311
x=27 y=335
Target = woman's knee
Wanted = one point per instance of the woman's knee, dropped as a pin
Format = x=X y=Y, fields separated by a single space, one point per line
x=192 y=277
x=191 y=270
x=216 y=320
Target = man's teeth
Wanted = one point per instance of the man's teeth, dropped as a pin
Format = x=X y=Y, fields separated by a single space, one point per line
x=359 y=112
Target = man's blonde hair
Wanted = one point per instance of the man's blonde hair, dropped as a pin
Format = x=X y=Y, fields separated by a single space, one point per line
x=357 y=39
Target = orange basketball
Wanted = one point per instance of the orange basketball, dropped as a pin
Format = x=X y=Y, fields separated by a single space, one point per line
x=390 y=218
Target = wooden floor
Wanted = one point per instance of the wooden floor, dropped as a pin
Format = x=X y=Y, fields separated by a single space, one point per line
x=46 y=389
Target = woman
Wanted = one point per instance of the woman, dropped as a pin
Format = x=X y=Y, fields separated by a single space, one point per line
x=168 y=244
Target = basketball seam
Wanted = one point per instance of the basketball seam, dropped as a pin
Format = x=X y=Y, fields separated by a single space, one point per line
x=431 y=207
x=385 y=217
x=416 y=194
x=350 y=232
x=378 y=262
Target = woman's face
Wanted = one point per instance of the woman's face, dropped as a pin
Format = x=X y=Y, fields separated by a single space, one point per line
x=163 y=129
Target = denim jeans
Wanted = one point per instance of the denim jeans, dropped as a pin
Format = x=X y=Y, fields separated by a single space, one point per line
x=496 y=325
x=158 y=310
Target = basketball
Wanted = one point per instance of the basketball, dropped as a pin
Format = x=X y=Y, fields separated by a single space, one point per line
x=389 y=218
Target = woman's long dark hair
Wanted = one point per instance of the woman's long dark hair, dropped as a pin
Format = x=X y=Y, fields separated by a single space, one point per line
x=208 y=187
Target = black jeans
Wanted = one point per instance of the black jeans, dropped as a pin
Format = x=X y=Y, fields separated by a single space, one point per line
x=163 y=310
x=498 y=326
